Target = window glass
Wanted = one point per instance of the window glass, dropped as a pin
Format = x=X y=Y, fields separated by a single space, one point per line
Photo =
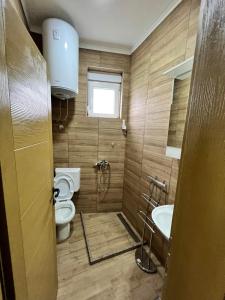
x=103 y=101
x=104 y=94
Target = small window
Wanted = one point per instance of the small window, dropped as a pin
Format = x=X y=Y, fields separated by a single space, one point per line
x=104 y=94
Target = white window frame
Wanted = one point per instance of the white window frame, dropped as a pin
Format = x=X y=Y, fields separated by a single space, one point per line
x=104 y=81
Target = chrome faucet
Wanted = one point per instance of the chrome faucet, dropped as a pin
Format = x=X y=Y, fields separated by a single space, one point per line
x=102 y=165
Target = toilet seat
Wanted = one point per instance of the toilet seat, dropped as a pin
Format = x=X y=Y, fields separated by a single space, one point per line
x=64 y=212
x=65 y=185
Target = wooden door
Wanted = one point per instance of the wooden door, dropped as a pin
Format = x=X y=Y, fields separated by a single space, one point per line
x=8 y=167
x=1 y=294
x=197 y=262
x=26 y=158
x=0 y=291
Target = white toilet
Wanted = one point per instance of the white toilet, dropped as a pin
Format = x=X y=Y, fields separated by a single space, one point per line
x=67 y=180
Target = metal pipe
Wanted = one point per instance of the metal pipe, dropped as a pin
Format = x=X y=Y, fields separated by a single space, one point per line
x=67 y=110
x=145 y=221
x=149 y=200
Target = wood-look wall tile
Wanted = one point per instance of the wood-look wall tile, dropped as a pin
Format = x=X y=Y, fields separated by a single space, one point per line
x=86 y=140
x=114 y=61
x=86 y=202
x=151 y=95
x=132 y=166
x=89 y=58
x=134 y=152
x=173 y=181
x=83 y=122
x=193 y=26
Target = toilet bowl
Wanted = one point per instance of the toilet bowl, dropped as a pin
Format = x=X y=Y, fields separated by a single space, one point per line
x=64 y=213
x=67 y=181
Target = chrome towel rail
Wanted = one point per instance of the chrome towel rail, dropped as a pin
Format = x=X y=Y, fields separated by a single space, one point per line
x=157 y=190
x=149 y=200
x=140 y=214
x=160 y=184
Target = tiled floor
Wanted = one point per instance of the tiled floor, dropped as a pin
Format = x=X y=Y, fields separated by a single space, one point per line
x=106 y=234
x=118 y=278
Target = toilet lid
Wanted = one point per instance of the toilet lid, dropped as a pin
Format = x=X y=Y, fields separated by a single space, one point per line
x=65 y=185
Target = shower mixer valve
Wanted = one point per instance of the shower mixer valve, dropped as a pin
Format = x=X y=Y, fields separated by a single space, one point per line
x=102 y=164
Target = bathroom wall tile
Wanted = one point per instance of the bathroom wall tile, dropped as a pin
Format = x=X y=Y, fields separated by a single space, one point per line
x=149 y=104
x=86 y=140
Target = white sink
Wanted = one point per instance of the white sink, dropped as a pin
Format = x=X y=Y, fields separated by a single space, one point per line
x=162 y=217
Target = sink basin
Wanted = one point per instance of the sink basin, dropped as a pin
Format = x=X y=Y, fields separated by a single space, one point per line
x=162 y=217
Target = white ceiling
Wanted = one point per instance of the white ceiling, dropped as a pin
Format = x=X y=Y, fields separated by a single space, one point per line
x=109 y=25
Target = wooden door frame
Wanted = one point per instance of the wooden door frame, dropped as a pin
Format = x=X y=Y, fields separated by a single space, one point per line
x=6 y=274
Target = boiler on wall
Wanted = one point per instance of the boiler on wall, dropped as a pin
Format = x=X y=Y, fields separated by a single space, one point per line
x=61 y=51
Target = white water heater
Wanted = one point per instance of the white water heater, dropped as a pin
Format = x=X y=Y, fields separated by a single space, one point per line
x=61 y=51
